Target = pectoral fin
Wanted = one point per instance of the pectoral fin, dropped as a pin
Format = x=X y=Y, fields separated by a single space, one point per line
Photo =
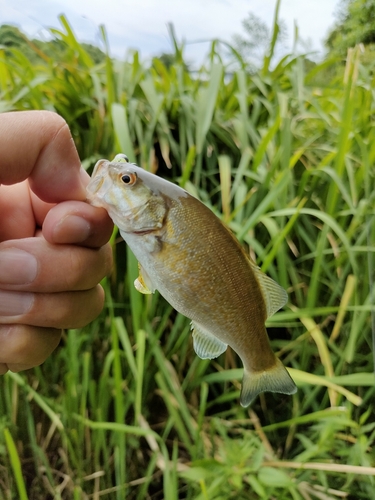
x=205 y=345
x=275 y=297
x=143 y=283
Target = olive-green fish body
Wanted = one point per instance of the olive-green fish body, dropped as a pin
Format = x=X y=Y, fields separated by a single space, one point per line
x=198 y=266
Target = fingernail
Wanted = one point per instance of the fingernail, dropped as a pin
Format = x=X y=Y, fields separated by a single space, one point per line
x=17 y=267
x=72 y=229
x=15 y=303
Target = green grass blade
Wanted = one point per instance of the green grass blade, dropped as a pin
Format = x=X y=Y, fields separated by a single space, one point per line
x=206 y=105
x=15 y=464
x=121 y=128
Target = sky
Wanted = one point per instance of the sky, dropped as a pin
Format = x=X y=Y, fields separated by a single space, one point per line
x=142 y=24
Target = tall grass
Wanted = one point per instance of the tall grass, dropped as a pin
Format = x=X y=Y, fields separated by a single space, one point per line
x=124 y=408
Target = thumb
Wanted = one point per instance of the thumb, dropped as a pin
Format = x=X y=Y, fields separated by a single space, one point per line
x=38 y=145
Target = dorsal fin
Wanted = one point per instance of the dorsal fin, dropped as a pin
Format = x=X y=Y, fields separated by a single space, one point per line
x=275 y=297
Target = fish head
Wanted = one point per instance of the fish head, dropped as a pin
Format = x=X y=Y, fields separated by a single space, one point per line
x=129 y=194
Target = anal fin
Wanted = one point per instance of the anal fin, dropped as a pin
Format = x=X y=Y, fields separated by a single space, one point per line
x=206 y=345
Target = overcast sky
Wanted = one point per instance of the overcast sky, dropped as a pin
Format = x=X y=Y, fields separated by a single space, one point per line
x=142 y=24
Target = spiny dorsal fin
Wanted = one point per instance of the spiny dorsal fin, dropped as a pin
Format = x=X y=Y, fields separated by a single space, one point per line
x=275 y=297
x=205 y=345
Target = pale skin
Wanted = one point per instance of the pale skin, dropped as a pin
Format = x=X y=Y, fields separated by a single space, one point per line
x=53 y=246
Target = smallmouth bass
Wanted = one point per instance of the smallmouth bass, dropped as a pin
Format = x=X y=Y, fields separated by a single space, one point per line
x=198 y=266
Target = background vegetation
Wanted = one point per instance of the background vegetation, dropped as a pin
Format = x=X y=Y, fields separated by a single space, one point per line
x=284 y=155
x=355 y=24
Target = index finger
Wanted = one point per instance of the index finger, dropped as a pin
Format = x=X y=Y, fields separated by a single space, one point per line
x=38 y=145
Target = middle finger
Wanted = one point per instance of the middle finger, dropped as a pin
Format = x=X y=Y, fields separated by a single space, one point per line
x=34 y=265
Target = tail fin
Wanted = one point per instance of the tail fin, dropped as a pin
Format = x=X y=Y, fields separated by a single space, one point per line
x=275 y=379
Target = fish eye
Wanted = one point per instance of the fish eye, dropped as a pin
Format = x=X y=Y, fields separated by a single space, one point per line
x=129 y=178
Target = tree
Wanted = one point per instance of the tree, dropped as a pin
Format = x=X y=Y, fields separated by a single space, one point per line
x=12 y=38
x=255 y=44
x=355 y=24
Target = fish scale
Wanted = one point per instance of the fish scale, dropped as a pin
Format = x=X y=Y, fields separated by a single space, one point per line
x=187 y=254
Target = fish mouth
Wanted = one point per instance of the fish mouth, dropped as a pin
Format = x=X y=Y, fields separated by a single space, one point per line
x=97 y=180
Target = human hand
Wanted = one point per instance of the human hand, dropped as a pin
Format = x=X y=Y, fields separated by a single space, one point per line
x=53 y=245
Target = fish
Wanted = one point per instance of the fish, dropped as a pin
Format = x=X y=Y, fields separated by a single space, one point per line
x=186 y=253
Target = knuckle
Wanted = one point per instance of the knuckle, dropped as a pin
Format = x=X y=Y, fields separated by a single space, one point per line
x=79 y=308
x=95 y=297
x=87 y=267
x=53 y=122
x=3 y=368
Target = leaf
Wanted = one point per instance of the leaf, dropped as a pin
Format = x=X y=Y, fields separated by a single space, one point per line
x=121 y=128
x=274 y=478
x=205 y=105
